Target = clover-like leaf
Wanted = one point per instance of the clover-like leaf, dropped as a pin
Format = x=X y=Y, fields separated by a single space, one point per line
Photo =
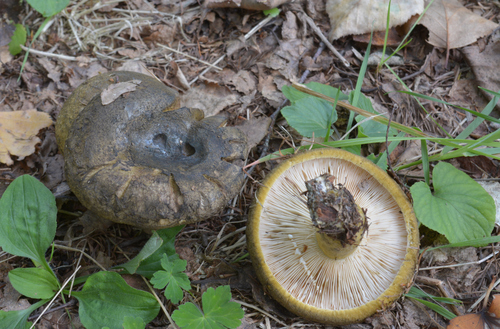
x=218 y=311
x=172 y=278
x=310 y=116
x=459 y=208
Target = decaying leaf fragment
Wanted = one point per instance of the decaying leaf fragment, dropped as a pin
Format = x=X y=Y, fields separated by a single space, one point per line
x=451 y=25
x=245 y=4
x=362 y=16
x=18 y=132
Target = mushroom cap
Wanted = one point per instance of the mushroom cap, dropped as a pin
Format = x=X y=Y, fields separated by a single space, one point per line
x=141 y=161
x=292 y=267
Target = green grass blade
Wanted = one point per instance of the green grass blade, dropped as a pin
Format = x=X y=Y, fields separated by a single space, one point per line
x=425 y=161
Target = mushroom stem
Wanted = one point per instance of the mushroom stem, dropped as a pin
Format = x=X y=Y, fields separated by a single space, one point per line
x=340 y=222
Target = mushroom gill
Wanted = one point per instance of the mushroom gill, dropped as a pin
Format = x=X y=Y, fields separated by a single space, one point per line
x=290 y=248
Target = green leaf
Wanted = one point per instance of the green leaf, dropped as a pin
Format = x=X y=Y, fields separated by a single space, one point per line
x=34 y=282
x=272 y=12
x=48 y=8
x=153 y=263
x=106 y=299
x=18 y=39
x=459 y=208
x=27 y=219
x=133 y=323
x=294 y=95
x=436 y=308
x=218 y=311
x=371 y=128
x=18 y=319
x=153 y=244
x=469 y=243
x=310 y=115
x=173 y=277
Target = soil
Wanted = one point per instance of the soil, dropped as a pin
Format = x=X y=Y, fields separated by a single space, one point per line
x=219 y=65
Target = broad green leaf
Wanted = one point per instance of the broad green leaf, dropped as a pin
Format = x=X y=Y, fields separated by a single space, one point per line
x=173 y=278
x=294 y=95
x=34 y=282
x=18 y=319
x=18 y=39
x=469 y=243
x=459 y=208
x=106 y=299
x=133 y=323
x=48 y=8
x=310 y=115
x=153 y=244
x=27 y=219
x=153 y=263
x=218 y=311
x=371 y=128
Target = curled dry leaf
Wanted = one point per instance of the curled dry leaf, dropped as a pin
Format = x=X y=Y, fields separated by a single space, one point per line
x=18 y=132
x=362 y=16
x=451 y=25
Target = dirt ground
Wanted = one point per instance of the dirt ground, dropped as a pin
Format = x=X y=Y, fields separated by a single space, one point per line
x=219 y=65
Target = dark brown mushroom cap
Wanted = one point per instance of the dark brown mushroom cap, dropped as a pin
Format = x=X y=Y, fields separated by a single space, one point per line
x=138 y=162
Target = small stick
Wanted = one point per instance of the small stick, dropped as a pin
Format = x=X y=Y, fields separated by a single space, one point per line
x=325 y=40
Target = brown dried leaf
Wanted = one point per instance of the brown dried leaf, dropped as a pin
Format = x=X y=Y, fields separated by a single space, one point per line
x=114 y=91
x=362 y=16
x=211 y=98
x=451 y=25
x=245 y=4
x=18 y=132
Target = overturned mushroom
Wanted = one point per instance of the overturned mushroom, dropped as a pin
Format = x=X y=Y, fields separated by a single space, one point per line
x=142 y=161
x=332 y=237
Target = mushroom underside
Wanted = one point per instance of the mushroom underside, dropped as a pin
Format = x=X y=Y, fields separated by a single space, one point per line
x=291 y=251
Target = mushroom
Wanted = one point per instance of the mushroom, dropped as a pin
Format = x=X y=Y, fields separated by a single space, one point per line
x=332 y=237
x=141 y=160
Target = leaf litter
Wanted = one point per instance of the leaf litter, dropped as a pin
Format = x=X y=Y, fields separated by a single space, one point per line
x=129 y=35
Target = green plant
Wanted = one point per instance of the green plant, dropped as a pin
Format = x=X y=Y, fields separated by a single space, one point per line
x=48 y=9
x=27 y=229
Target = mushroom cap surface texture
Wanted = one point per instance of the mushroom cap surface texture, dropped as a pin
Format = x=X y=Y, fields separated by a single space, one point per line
x=295 y=271
x=141 y=160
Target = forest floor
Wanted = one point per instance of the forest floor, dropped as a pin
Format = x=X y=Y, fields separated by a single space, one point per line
x=219 y=65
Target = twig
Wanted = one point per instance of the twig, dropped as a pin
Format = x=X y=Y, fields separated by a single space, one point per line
x=191 y=57
x=325 y=40
x=46 y=54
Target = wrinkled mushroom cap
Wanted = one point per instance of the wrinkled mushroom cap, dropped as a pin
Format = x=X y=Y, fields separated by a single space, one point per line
x=292 y=267
x=140 y=161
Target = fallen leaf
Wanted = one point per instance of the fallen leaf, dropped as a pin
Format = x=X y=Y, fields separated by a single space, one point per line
x=211 y=98
x=18 y=132
x=358 y=17
x=451 y=25
x=255 y=130
x=393 y=39
x=245 y=4
x=485 y=65
x=480 y=320
x=114 y=91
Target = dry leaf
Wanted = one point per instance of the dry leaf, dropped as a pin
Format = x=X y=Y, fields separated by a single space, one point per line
x=211 y=98
x=114 y=91
x=362 y=16
x=245 y=4
x=483 y=319
x=451 y=25
x=485 y=65
x=18 y=132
